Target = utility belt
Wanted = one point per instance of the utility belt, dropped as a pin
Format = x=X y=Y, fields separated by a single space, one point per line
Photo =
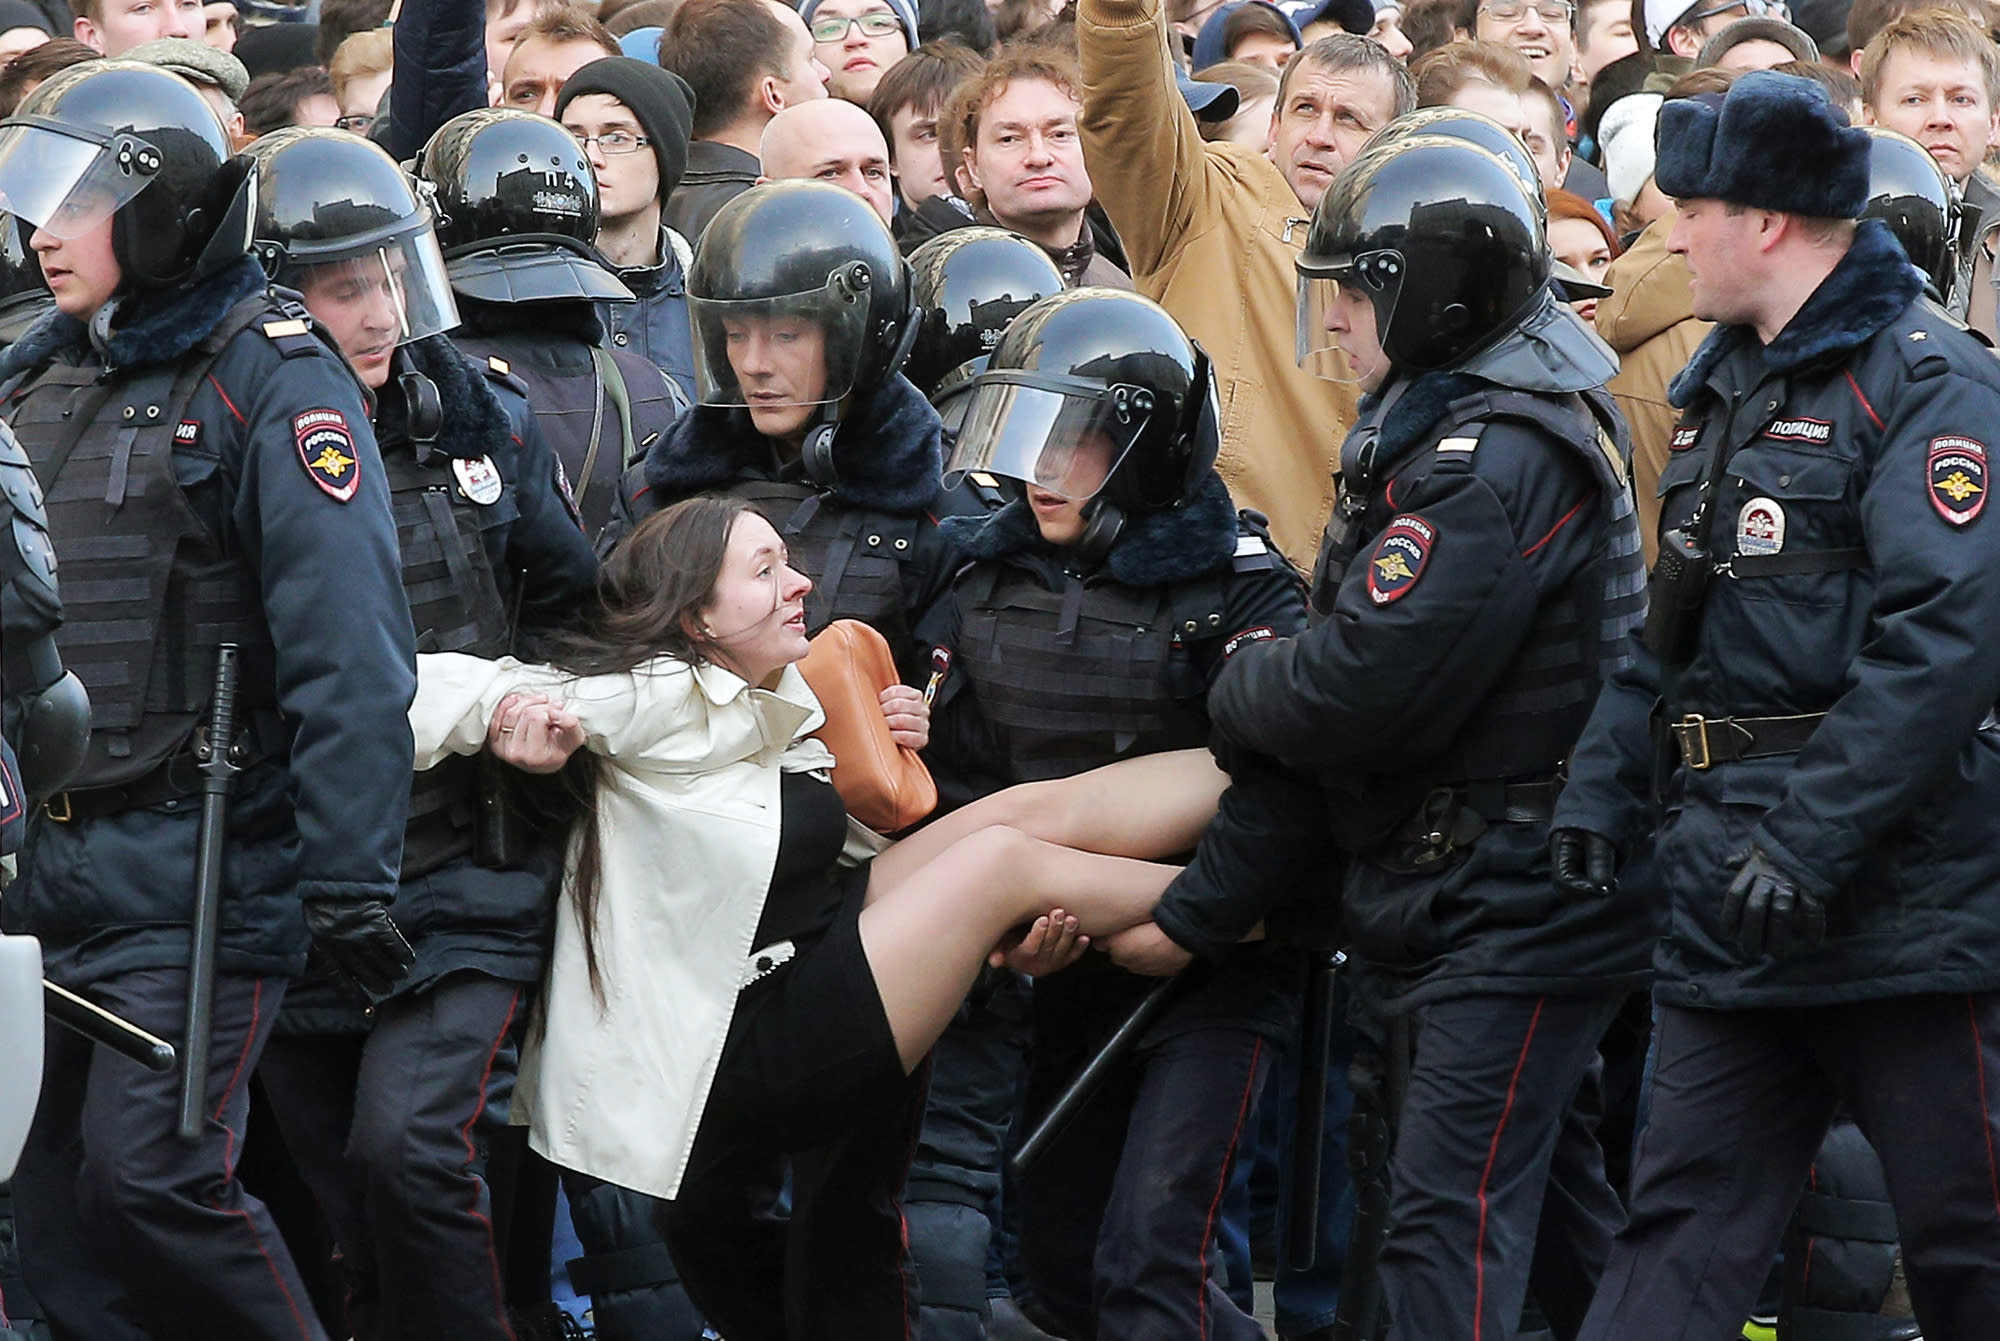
x=1707 y=741
x=174 y=780
x=1455 y=816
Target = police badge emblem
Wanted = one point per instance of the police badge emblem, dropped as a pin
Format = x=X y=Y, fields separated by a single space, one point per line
x=1958 y=478
x=1760 y=527
x=478 y=480
x=327 y=451
x=1399 y=558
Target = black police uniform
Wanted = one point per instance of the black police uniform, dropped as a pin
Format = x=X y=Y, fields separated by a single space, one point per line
x=1834 y=712
x=1048 y=665
x=385 y=1120
x=1454 y=657
x=212 y=477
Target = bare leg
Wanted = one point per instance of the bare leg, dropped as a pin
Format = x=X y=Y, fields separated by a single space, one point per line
x=1151 y=807
x=927 y=934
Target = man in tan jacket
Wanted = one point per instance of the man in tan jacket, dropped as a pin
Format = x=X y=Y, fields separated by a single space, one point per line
x=1212 y=231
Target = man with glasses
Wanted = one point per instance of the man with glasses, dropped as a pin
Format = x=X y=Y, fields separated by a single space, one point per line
x=858 y=40
x=632 y=119
x=1541 y=30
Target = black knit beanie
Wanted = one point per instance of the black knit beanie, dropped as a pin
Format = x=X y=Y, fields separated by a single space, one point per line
x=660 y=101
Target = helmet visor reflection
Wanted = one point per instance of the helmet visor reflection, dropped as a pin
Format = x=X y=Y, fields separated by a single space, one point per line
x=795 y=349
x=398 y=286
x=1064 y=440
x=1344 y=317
x=66 y=183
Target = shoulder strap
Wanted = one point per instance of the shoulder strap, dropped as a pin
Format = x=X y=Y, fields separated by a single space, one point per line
x=621 y=401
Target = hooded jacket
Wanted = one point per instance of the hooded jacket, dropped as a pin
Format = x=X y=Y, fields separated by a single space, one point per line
x=1212 y=231
x=1648 y=318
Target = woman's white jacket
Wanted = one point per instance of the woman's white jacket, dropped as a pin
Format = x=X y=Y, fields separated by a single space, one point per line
x=688 y=818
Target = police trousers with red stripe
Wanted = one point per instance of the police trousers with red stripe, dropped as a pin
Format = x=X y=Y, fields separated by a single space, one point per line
x=1739 y=1104
x=1489 y=1159
x=389 y=1130
x=128 y=1233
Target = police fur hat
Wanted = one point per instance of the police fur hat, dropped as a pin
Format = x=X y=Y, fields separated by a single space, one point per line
x=1773 y=142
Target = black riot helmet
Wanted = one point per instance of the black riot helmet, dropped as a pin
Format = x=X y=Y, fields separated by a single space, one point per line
x=1909 y=192
x=139 y=145
x=1442 y=238
x=792 y=250
x=1094 y=394
x=24 y=294
x=967 y=285
x=1458 y=123
x=516 y=209
x=333 y=208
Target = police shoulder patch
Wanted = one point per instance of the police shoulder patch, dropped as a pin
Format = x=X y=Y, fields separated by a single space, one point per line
x=1399 y=558
x=327 y=451
x=1957 y=478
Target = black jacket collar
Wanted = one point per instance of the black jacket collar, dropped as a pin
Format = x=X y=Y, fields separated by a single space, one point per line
x=1155 y=549
x=1873 y=284
x=155 y=327
x=473 y=419
x=889 y=451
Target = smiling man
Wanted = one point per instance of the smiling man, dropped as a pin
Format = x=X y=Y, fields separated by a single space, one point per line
x=1212 y=231
x=858 y=40
x=1539 y=29
x=1935 y=76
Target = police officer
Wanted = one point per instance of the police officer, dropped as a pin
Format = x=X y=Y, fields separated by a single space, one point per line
x=1821 y=649
x=212 y=479
x=821 y=433
x=1097 y=608
x=1483 y=553
x=517 y=211
x=967 y=286
x=492 y=553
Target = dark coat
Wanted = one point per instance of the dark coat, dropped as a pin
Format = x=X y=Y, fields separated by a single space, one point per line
x=323 y=818
x=1863 y=424
x=1464 y=555
x=716 y=174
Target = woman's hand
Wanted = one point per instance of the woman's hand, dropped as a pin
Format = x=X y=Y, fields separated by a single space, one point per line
x=534 y=733
x=909 y=717
x=1052 y=943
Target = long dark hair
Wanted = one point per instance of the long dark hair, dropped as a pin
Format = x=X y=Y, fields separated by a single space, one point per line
x=649 y=598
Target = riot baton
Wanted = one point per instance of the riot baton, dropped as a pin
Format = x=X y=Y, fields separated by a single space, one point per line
x=212 y=753
x=1309 y=1116
x=102 y=1027
x=1077 y=1093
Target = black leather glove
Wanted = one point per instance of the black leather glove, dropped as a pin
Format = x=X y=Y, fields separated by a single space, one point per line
x=1583 y=864
x=362 y=943
x=1767 y=912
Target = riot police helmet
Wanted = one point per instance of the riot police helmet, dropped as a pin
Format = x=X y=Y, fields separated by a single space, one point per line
x=788 y=255
x=1910 y=193
x=138 y=145
x=1094 y=395
x=24 y=294
x=517 y=209
x=967 y=285
x=1459 y=123
x=1440 y=238
x=337 y=216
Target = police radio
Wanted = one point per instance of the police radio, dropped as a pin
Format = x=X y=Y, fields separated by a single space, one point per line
x=1676 y=592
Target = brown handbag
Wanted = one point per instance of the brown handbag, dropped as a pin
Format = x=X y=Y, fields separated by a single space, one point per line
x=883 y=785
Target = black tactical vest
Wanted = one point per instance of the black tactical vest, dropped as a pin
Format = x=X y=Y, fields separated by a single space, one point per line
x=148 y=592
x=455 y=606
x=1078 y=678
x=854 y=556
x=1533 y=716
x=574 y=407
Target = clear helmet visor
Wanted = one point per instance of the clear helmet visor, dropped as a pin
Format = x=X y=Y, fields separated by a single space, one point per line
x=795 y=349
x=390 y=294
x=68 y=182
x=1063 y=440
x=1345 y=311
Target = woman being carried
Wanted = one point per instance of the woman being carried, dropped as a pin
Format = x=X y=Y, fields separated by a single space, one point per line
x=726 y=984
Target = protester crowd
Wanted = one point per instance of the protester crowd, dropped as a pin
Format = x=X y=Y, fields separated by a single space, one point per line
x=1431 y=553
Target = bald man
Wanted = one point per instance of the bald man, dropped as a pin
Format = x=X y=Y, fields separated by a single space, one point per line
x=830 y=140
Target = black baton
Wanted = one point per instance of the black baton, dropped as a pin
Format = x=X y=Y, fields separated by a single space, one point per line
x=212 y=756
x=1309 y=1116
x=100 y=1026
x=1078 y=1092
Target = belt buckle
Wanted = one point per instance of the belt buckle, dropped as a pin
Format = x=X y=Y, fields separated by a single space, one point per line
x=1694 y=727
x=62 y=816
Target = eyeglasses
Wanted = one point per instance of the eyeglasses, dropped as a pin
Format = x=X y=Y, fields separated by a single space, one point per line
x=358 y=124
x=614 y=141
x=1513 y=11
x=872 y=25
